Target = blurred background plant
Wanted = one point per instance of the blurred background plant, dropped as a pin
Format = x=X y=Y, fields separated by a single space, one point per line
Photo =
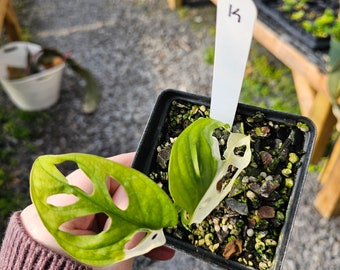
x=326 y=25
x=267 y=82
x=17 y=128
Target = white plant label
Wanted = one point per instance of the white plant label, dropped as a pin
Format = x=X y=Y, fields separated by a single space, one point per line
x=234 y=31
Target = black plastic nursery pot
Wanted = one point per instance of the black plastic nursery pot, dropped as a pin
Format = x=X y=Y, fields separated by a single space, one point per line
x=269 y=11
x=264 y=228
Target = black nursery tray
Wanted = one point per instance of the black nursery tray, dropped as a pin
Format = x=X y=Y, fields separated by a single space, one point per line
x=268 y=11
x=146 y=156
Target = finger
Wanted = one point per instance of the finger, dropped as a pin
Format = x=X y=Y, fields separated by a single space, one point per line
x=136 y=239
x=161 y=253
x=124 y=159
x=79 y=178
x=121 y=198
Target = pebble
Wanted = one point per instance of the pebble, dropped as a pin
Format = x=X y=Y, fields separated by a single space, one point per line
x=250 y=232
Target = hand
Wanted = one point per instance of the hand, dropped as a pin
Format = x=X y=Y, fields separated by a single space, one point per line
x=91 y=224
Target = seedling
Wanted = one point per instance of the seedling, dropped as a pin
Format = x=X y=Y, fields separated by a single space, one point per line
x=324 y=25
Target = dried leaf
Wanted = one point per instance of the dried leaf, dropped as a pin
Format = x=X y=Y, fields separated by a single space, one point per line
x=233 y=249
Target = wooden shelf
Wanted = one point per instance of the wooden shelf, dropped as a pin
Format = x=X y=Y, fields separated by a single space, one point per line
x=9 y=20
x=174 y=4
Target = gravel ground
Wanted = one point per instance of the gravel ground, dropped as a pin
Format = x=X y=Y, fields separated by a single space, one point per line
x=136 y=49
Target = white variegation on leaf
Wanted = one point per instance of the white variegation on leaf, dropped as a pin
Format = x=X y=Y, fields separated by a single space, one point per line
x=214 y=195
x=196 y=167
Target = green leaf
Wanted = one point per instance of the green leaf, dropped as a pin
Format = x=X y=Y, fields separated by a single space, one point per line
x=196 y=168
x=92 y=91
x=149 y=208
x=334 y=82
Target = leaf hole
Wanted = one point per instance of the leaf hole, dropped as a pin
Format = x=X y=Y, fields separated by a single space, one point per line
x=75 y=175
x=119 y=195
x=87 y=225
x=136 y=239
x=219 y=185
x=67 y=167
x=240 y=150
x=103 y=222
x=224 y=181
x=62 y=199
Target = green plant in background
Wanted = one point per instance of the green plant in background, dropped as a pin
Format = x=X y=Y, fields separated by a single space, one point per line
x=267 y=83
x=48 y=58
x=16 y=128
x=183 y=12
x=293 y=5
x=296 y=8
x=298 y=15
x=288 y=5
x=319 y=25
x=325 y=25
x=336 y=30
x=209 y=52
x=209 y=55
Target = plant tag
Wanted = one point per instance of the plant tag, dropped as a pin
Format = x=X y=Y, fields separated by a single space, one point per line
x=234 y=32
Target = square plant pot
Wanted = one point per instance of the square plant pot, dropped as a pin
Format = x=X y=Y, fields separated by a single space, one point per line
x=269 y=12
x=257 y=216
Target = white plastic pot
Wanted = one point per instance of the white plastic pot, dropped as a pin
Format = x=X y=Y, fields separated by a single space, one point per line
x=35 y=92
